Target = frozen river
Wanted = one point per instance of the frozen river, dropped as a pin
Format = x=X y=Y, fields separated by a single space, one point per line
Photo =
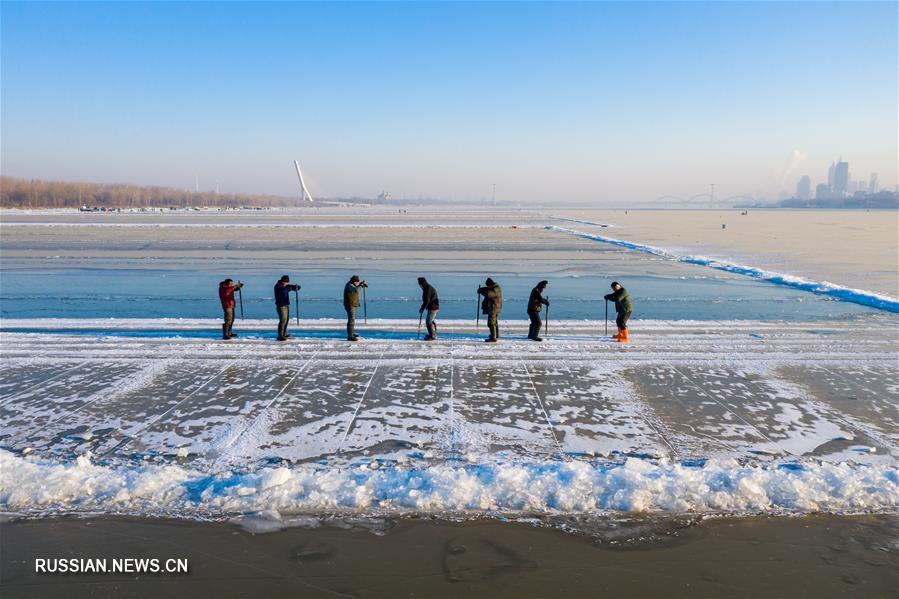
x=117 y=396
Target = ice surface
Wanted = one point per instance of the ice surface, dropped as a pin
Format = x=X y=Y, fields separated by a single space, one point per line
x=840 y=292
x=702 y=416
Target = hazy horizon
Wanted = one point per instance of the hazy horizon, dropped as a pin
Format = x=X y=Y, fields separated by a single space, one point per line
x=600 y=103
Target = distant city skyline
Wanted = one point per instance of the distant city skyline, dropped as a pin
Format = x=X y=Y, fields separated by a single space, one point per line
x=595 y=103
x=839 y=183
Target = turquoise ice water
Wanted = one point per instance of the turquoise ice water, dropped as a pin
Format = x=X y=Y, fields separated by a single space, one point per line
x=189 y=293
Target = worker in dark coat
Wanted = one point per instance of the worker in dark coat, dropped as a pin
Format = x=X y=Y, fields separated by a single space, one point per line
x=623 y=309
x=431 y=303
x=535 y=305
x=350 y=304
x=282 y=303
x=226 y=296
x=491 y=305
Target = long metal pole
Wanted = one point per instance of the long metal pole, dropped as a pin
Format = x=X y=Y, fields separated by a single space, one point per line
x=607 y=318
x=240 y=296
x=477 y=310
x=364 y=307
x=419 y=325
x=546 y=324
x=296 y=299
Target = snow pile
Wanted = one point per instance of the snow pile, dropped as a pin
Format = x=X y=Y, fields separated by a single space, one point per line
x=840 y=292
x=36 y=485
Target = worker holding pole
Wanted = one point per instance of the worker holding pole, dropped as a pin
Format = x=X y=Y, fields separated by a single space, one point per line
x=623 y=309
x=535 y=305
x=430 y=303
x=492 y=305
x=282 y=303
x=226 y=297
x=351 y=303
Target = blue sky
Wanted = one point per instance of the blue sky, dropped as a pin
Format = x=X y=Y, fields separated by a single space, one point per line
x=576 y=102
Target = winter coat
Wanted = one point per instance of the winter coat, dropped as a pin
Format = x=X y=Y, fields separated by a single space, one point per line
x=536 y=301
x=226 y=295
x=429 y=300
x=350 y=296
x=282 y=293
x=493 y=300
x=622 y=300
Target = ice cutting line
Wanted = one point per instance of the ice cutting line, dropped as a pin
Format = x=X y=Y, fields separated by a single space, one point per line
x=349 y=425
x=150 y=370
x=849 y=422
x=545 y=415
x=250 y=425
x=36 y=385
x=643 y=406
x=848 y=380
x=130 y=438
x=743 y=420
x=452 y=416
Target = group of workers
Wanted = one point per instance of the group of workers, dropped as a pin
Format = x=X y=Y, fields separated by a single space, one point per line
x=491 y=306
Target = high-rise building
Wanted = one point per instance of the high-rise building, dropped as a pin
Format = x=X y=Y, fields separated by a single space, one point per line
x=830 y=171
x=874 y=184
x=822 y=191
x=840 y=179
x=804 y=188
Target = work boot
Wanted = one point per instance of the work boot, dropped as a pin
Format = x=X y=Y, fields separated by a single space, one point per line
x=536 y=339
x=280 y=338
x=618 y=334
x=623 y=338
x=231 y=333
x=225 y=332
x=490 y=340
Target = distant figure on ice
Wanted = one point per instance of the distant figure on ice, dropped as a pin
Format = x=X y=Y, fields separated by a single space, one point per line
x=226 y=296
x=282 y=303
x=491 y=305
x=350 y=303
x=431 y=303
x=623 y=308
x=535 y=305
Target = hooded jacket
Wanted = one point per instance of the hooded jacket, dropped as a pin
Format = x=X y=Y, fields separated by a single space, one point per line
x=282 y=293
x=622 y=300
x=226 y=294
x=493 y=299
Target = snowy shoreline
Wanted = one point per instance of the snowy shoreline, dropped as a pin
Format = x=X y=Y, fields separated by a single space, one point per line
x=839 y=292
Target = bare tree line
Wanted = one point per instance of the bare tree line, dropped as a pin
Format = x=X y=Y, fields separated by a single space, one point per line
x=34 y=193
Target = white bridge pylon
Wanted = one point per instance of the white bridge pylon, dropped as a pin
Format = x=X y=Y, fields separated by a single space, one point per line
x=305 y=196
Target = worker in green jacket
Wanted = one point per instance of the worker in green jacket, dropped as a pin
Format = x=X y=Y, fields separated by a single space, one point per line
x=491 y=305
x=623 y=309
x=350 y=303
x=535 y=305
